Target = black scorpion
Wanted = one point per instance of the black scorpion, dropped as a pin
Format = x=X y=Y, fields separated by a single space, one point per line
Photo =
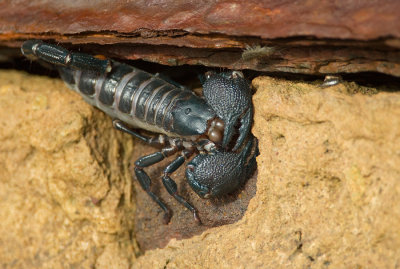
x=216 y=127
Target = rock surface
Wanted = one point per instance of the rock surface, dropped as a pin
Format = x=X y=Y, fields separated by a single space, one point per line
x=65 y=191
x=327 y=191
x=327 y=188
x=259 y=18
x=150 y=230
x=306 y=37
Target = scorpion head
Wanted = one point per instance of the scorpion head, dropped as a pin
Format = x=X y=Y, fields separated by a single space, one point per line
x=221 y=172
x=223 y=117
x=229 y=95
x=193 y=116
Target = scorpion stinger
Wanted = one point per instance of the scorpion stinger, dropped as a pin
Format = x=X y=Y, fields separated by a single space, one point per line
x=216 y=128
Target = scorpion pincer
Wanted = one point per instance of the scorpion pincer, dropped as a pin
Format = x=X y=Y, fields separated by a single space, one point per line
x=216 y=126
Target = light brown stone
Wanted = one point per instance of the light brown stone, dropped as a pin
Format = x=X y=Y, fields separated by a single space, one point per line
x=327 y=189
x=328 y=185
x=64 y=189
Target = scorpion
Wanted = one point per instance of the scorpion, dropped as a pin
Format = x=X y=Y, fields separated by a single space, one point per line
x=215 y=127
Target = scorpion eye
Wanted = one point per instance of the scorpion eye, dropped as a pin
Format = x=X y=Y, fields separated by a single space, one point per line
x=187 y=111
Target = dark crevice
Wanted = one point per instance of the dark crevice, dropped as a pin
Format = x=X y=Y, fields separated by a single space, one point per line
x=188 y=75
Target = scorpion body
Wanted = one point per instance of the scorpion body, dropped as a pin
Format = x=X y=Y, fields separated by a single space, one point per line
x=186 y=122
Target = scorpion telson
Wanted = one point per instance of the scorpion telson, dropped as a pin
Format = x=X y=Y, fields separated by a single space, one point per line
x=215 y=128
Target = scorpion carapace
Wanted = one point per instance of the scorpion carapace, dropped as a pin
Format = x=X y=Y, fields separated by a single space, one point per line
x=215 y=127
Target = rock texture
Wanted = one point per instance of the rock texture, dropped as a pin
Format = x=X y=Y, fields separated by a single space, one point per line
x=150 y=230
x=307 y=37
x=260 y=18
x=327 y=188
x=65 y=191
x=327 y=191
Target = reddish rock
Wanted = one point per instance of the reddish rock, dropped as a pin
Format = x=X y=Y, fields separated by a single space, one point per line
x=265 y=19
x=309 y=37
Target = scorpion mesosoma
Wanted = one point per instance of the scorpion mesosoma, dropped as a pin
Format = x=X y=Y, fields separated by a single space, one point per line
x=216 y=127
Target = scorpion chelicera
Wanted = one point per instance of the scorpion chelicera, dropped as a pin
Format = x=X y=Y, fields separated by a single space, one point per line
x=216 y=126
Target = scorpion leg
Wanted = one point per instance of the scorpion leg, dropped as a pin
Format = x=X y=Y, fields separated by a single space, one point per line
x=158 y=140
x=144 y=179
x=171 y=186
x=154 y=158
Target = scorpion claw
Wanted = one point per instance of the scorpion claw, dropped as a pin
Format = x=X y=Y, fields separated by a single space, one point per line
x=222 y=172
x=244 y=130
x=229 y=96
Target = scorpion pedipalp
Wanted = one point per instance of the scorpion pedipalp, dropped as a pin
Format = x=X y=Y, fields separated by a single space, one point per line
x=222 y=172
x=229 y=96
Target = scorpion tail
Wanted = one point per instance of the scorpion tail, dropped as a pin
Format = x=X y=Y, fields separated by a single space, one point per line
x=58 y=56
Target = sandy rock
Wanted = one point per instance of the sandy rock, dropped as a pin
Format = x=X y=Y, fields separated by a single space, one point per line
x=328 y=185
x=65 y=190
